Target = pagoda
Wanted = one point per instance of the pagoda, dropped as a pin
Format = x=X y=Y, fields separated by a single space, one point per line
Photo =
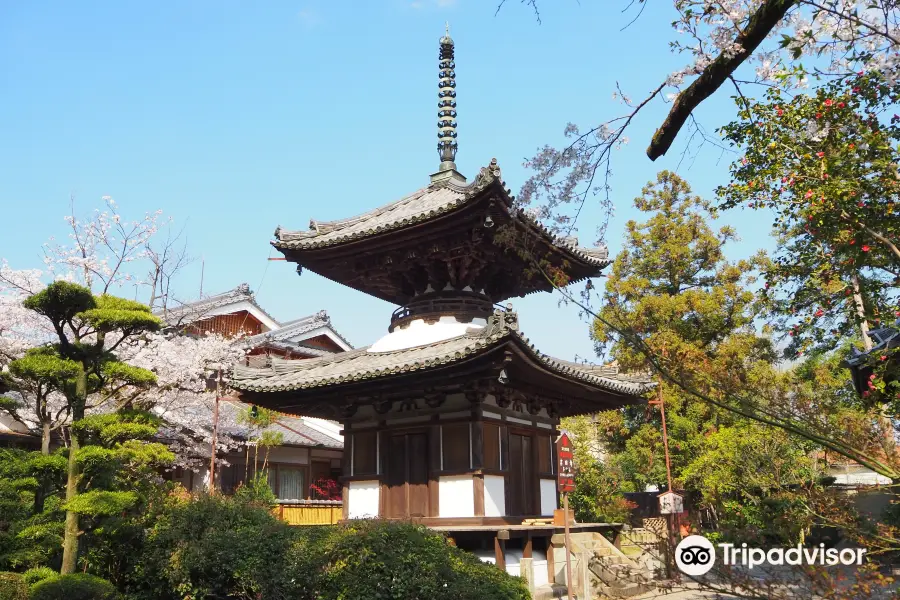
x=450 y=418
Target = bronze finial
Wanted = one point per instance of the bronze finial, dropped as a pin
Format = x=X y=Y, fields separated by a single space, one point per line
x=447 y=104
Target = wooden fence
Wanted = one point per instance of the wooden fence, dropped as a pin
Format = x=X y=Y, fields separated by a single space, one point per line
x=311 y=512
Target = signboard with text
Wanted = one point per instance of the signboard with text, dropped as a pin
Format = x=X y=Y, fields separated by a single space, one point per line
x=565 y=467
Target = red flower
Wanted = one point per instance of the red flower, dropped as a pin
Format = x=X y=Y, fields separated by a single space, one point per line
x=840 y=105
x=865 y=248
x=820 y=312
x=883 y=357
x=818 y=115
x=852 y=242
x=809 y=194
x=861 y=205
x=829 y=102
x=820 y=154
x=856 y=89
x=851 y=146
x=780 y=112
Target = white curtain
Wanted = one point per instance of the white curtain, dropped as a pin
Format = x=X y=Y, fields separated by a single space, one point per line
x=290 y=484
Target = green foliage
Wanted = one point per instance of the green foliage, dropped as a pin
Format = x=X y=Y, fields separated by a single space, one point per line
x=380 y=559
x=61 y=301
x=29 y=530
x=214 y=547
x=79 y=586
x=257 y=491
x=125 y=373
x=13 y=587
x=598 y=494
x=101 y=503
x=687 y=311
x=825 y=165
x=36 y=574
x=45 y=364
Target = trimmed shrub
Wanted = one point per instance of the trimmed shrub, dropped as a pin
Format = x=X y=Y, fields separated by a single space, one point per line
x=13 y=587
x=33 y=576
x=383 y=559
x=79 y=586
x=214 y=547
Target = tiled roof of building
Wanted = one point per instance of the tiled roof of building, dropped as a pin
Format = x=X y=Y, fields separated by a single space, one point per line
x=422 y=205
x=188 y=312
x=295 y=328
x=358 y=365
x=883 y=338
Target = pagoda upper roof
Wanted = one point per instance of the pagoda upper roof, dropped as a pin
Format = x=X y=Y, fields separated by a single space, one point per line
x=600 y=387
x=442 y=200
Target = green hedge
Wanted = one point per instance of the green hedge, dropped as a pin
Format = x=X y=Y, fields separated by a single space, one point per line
x=220 y=548
x=13 y=587
x=383 y=559
x=80 y=586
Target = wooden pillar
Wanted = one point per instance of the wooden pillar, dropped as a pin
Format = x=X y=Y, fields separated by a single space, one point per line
x=500 y=551
x=526 y=551
x=434 y=467
x=477 y=444
x=478 y=482
x=551 y=567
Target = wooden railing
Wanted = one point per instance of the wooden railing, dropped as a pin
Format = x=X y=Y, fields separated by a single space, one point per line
x=310 y=512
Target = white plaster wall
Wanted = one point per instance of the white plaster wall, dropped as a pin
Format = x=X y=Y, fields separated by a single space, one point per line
x=362 y=499
x=494 y=496
x=456 y=496
x=285 y=454
x=548 y=497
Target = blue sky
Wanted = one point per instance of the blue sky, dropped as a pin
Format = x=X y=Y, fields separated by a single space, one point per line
x=235 y=117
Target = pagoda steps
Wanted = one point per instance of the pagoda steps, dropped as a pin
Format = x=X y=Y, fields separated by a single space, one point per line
x=599 y=567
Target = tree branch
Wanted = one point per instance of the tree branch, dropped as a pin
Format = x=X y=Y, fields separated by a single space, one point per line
x=714 y=75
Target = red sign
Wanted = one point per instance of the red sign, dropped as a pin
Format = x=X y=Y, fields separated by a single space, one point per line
x=565 y=466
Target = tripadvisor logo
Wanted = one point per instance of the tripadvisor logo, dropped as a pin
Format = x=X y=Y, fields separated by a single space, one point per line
x=695 y=555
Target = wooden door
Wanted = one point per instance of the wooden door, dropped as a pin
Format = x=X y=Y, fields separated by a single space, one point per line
x=407 y=476
x=520 y=499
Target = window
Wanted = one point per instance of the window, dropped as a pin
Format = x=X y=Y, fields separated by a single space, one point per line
x=455 y=446
x=290 y=483
x=491 y=446
x=365 y=453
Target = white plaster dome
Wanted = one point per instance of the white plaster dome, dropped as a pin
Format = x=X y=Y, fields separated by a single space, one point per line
x=420 y=333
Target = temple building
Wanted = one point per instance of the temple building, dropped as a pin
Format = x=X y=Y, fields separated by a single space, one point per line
x=451 y=417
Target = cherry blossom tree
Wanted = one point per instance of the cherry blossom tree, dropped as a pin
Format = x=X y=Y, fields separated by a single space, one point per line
x=743 y=43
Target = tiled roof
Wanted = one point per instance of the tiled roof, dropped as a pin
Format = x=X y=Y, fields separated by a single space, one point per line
x=294 y=328
x=424 y=204
x=358 y=365
x=883 y=338
x=196 y=310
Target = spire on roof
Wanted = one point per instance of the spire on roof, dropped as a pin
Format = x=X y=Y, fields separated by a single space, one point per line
x=447 y=105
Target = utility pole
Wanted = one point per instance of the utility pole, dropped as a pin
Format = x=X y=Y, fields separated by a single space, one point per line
x=672 y=519
x=215 y=436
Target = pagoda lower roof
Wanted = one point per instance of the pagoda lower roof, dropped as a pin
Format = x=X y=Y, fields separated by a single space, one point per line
x=599 y=388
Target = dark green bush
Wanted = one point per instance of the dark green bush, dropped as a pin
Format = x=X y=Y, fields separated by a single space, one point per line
x=13 y=587
x=383 y=559
x=32 y=576
x=80 y=586
x=214 y=547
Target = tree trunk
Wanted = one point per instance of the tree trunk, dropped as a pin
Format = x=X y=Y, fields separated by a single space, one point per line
x=45 y=438
x=861 y=313
x=70 y=537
